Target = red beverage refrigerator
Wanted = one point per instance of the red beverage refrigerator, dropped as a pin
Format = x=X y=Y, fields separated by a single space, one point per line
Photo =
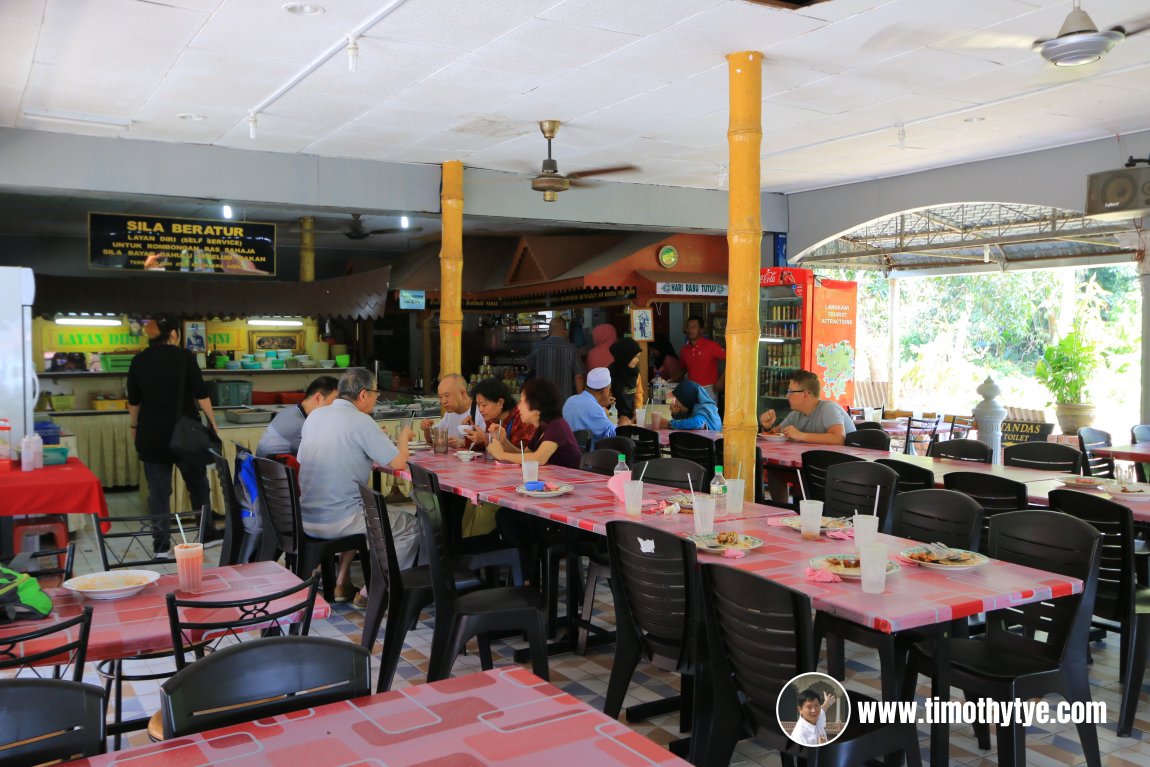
x=806 y=322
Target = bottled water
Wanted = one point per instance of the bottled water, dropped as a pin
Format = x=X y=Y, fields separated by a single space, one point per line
x=718 y=484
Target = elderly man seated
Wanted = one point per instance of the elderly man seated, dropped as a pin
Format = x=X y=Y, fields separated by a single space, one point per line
x=458 y=410
x=284 y=433
x=339 y=445
x=585 y=410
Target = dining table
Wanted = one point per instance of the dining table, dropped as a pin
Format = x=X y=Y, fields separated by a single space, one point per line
x=1139 y=453
x=506 y=717
x=67 y=488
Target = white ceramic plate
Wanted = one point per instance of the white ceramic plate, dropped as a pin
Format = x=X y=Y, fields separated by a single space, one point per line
x=846 y=565
x=827 y=523
x=1084 y=483
x=709 y=544
x=112 y=585
x=559 y=490
x=1129 y=492
x=971 y=559
x=773 y=437
x=684 y=500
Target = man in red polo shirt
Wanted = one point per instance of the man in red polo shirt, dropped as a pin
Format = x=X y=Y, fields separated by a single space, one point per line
x=701 y=356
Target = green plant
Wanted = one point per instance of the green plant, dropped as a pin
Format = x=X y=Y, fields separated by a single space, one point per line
x=1066 y=367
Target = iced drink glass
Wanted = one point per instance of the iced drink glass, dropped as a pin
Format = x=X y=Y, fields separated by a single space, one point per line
x=530 y=471
x=810 y=519
x=633 y=497
x=190 y=565
x=704 y=514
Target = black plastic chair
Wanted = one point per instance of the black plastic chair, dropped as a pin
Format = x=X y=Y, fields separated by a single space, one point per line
x=1093 y=465
x=910 y=476
x=853 y=487
x=52 y=720
x=994 y=494
x=258 y=680
x=962 y=450
x=654 y=582
x=868 y=438
x=279 y=506
x=697 y=448
x=672 y=472
x=402 y=594
x=458 y=617
x=1140 y=433
x=816 y=463
x=1050 y=655
x=920 y=432
x=758 y=639
x=583 y=439
x=72 y=644
x=1047 y=456
x=235 y=543
x=1122 y=605
x=869 y=426
x=646 y=442
x=620 y=446
x=929 y=516
x=600 y=461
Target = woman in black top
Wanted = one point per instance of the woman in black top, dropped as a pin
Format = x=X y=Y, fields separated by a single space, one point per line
x=624 y=369
x=153 y=387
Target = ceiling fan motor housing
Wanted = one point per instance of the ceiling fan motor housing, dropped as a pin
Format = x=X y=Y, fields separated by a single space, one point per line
x=549 y=183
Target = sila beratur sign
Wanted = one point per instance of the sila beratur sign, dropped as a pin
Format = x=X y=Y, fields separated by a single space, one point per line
x=131 y=243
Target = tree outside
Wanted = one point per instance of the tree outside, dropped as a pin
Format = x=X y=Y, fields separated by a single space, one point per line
x=955 y=331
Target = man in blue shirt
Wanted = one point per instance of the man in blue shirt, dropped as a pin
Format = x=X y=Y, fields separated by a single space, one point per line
x=283 y=434
x=587 y=410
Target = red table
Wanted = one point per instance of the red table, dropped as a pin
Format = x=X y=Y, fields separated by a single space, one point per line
x=505 y=717
x=1139 y=453
x=70 y=488
x=136 y=625
x=469 y=479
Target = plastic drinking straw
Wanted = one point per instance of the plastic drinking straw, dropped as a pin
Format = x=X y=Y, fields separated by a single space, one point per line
x=692 y=486
x=740 y=474
x=522 y=458
x=802 y=489
x=180 y=525
x=643 y=473
x=877 y=492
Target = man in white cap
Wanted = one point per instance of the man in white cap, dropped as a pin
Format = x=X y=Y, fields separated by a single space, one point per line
x=588 y=409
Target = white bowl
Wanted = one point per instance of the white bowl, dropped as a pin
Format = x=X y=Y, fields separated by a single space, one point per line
x=112 y=585
x=327 y=363
x=465 y=455
x=1128 y=493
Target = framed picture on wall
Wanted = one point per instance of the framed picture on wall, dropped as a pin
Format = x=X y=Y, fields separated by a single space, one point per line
x=196 y=336
x=275 y=340
x=642 y=325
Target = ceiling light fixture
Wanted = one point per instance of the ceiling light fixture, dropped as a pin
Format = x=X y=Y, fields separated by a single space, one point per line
x=303 y=9
x=110 y=322
x=227 y=211
x=191 y=117
x=78 y=118
x=973 y=119
x=272 y=322
x=404 y=222
x=352 y=52
x=252 y=119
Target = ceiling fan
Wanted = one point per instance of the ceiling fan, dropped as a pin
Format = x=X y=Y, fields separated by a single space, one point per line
x=1079 y=41
x=551 y=182
x=357 y=231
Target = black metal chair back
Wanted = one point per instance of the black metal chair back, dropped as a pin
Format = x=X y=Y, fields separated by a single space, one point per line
x=860 y=486
x=994 y=494
x=1047 y=456
x=869 y=426
x=920 y=432
x=960 y=426
x=910 y=476
x=816 y=463
x=697 y=448
x=583 y=438
x=600 y=462
x=68 y=647
x=962 y=450
x=129 y=541
x=1094 y=465
x=47 y=721
x=646 y=442
x=233 y=513
x=672 y=472
x=936 y=515
x=1140 y=433
x=257 y=680
x=868 y=438
x=620 y=446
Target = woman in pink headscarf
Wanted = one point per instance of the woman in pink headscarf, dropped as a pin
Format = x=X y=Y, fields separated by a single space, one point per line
x=602 y=336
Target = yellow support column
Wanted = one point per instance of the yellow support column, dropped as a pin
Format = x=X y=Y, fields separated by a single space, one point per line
x=744 y=236
x=307 y=249
x=451 y=272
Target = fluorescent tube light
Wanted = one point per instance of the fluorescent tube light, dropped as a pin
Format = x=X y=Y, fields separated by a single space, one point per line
x=78 y=118
x=91 y=321
x=273 y=323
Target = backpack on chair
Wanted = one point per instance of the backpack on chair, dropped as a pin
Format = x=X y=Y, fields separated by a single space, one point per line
x=21 y=597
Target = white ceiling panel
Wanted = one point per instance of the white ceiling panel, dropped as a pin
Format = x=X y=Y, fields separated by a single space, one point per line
x=276 y=34
x=455 y=24
x=635 y=17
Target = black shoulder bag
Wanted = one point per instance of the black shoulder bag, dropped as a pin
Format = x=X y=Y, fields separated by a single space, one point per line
x=191 y=439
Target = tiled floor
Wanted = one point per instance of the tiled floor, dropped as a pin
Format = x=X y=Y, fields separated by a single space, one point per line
x=586 y=678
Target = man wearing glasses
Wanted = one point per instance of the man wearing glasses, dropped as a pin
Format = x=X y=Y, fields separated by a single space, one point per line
x=338 y=446
x=812 y=420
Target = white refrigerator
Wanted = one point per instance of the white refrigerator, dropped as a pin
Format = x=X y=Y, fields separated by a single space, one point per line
x=19 y=387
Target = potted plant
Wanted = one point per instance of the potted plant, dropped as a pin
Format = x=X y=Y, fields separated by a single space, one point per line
x=1065 y=369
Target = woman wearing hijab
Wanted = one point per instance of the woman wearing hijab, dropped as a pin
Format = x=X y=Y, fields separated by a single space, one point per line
x=692 y=408
x=626 y=386
x=602 y=336
x=665 y=360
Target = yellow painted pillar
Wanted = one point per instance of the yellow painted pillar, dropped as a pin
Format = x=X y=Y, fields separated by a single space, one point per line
x=451 y=272
x=744 y=236
x=307 y=249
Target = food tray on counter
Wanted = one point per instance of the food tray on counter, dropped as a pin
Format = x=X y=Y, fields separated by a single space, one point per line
x=248 y=415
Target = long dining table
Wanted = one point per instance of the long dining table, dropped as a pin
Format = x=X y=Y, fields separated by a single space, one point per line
x=915 y=597
x=505 y=716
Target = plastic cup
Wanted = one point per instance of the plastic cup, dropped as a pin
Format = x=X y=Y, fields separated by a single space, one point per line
x=872 y=563
x=734 y=498
x=342 y=360
x=530 y=471
x=704 y=514
x=190 y=565
x=641 y=416
x=866 y=529
x=810 y=519
x=465 y=430
x=633 y=497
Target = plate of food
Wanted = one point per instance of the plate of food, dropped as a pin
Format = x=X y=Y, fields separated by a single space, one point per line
x=846 y=565
x=684 y=500
x=1083 y=483
x=773 y=437
x=955 y=560
x=550 y=490
x=717 y=543
x=1131 y=492
x=826 y=523
x=112 y=585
